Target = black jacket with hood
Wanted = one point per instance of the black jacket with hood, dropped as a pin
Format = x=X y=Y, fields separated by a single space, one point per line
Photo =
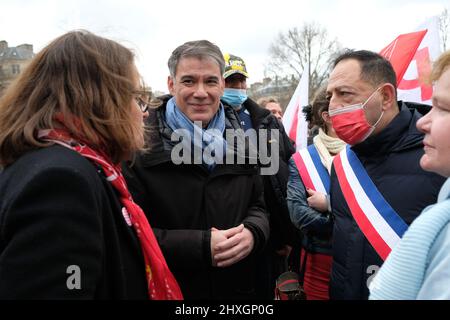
x=282 y=232
x=183 y=202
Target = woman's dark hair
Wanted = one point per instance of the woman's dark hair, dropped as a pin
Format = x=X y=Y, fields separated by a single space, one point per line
x=313 y=112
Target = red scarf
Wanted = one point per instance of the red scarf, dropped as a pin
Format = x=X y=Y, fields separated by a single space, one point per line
x=160 y=281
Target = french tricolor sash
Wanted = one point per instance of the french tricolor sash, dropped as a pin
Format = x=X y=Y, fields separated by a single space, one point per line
x=312 y=172
x=380 y=224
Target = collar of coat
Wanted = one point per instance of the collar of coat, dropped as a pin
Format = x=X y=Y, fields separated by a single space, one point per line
x=401 y=133
x=260 y=117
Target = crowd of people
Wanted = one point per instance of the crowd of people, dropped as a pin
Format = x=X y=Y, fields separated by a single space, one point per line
x=106 y=196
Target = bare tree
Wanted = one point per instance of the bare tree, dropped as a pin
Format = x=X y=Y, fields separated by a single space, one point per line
x=308 y=46
x=444 y=22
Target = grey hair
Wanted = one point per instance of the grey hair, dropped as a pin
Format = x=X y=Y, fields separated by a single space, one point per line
x=197 y=49
x=265 y=100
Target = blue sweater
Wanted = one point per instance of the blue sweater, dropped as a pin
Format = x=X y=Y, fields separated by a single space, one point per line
x=419 y=266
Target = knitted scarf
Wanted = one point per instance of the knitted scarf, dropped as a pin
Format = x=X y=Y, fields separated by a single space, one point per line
x=160 y=281
x=326 y=146
x=211 y=137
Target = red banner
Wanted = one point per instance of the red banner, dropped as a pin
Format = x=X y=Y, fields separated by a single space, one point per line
x=401 y=51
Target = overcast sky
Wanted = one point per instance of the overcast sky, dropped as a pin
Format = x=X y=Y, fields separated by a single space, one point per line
x=245 y=28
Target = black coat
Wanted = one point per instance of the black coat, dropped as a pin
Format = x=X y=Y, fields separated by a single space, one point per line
x=57 y=210
x=282 y=231
x=391 y=159
x=183 y=202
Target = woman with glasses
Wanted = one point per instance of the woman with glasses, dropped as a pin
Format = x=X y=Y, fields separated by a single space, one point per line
x=143 y=100
x=69 y=228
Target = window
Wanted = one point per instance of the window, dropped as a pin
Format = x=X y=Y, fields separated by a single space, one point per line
x=15 y=69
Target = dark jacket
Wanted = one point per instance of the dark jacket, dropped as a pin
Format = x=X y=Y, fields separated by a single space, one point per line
x=56 y=211
x=317 y=227
x=183 y=202
x=391 y=159
x=282 y=231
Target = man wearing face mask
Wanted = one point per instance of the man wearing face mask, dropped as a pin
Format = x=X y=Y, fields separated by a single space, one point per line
x=252 y=116
x=377 y=185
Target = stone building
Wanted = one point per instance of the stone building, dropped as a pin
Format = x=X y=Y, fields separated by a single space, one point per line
x=12 y=62
x=282 y=88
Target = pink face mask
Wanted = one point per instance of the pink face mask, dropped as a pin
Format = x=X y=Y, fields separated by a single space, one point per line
x=350 y=123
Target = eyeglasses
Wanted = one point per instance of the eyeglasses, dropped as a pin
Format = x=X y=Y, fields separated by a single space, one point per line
x=141 y=103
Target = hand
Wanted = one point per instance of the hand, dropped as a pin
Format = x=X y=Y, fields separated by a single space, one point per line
x=317 y=200
x=237 y=246
x=217 y=236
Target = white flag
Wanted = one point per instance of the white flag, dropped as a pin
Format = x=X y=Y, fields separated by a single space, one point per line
x=414 y=86
x=294 y=120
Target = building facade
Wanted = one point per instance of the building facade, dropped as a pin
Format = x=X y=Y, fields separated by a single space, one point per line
x=13 y=60
x=282 y=88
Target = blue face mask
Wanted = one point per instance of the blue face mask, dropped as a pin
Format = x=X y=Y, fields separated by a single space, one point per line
x=234 y=97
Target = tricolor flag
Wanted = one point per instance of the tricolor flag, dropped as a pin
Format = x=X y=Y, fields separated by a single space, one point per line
x=294 y=120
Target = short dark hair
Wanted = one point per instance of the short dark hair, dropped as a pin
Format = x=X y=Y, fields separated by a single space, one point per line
x=375 y=69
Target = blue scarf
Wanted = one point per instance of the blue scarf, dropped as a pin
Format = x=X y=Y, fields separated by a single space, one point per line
x=199 y=138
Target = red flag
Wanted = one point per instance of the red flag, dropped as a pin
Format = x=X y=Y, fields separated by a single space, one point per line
x=423 y=65
x=415 y=85
x=401 y=51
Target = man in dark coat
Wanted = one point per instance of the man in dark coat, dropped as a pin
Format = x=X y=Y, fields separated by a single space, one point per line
x=382 y=132
x=208 y=214
x=257 y=120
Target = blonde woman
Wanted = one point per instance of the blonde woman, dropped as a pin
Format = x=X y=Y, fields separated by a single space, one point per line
x=418 y=267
